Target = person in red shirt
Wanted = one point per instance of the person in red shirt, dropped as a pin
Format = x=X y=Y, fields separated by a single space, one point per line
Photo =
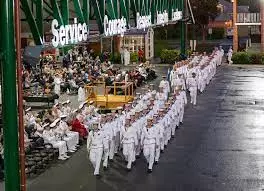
x=140 y=55
x=77 y=126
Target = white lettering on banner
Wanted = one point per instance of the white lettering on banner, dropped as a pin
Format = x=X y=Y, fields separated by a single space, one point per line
x=113 y=27
x=162 y=18
x=74 y=33
x=176 y=15
x=143 y=22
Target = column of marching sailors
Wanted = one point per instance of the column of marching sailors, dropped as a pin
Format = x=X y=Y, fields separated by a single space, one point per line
x=149 y=123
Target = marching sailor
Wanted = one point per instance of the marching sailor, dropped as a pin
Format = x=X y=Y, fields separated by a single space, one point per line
x=96 y=142
x=149 y=140
x=192 y=83
x=129 y=140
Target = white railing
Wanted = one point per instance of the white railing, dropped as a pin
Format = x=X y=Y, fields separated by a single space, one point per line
x=248 y=18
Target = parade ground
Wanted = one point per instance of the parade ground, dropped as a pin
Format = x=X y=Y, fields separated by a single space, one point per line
x=218 y=147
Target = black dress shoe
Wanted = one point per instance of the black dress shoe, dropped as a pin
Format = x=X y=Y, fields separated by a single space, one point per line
x=111 y=160
x=149 y=171
x=98 y=176
x=172 y=136
x=165 y=146
x=138 y=156
x=162 y=151
x=156 y=162
x=128 y=169
x=105 y=168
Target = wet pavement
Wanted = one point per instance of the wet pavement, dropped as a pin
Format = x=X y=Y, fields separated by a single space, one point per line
x=220 y=146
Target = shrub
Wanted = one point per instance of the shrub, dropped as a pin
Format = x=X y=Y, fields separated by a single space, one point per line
x=241 y=58
x=218 y=33
x=255 y=58
x=115 y=58
x=248 y=58
x=133 y=57
x=169 y=56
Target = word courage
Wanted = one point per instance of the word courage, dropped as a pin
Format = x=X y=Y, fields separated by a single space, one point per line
x=113 y=27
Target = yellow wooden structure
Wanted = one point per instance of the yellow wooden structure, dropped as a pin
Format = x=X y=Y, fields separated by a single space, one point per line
x=110 y=97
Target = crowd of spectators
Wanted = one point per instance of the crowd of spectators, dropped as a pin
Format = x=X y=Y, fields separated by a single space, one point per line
x=80 y=67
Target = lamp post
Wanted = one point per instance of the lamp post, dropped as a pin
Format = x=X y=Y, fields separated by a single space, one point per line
x=183 y=28
x=235 y=32
x=262 y=24
x=9 y=95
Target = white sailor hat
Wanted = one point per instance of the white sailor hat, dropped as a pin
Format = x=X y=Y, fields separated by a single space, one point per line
x=140 y=64
x=81 y=106
x=45 y=125
x=63 y=116
x=151 y=84
x=132 y=114
x=128 y=117
x=28 y=109
x=149 y=119
x=164 y=76
x=54 y=123
x=56 y=104
x=74 y=111
x=91 y=102
x=66 y=102
x=119 y=108
x=145 y=107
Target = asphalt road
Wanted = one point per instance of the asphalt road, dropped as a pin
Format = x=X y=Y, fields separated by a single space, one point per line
x=220 y=146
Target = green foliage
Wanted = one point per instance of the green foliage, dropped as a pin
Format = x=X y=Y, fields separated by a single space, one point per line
x=218 y=33
x=241 y=58
x=159 y=45
x=169 y=56
x=203 y=10
x=189 y=52
x=133 y=57
x=256 y=58
x=115 y=58
x=248 y=58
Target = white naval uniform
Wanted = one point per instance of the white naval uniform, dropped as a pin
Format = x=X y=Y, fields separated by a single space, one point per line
x=160 y=131
x=193 y=90
x=108 y=131
x=113 y=126
x=129 y=140
x=57 y=82
x=149 y=140
x=160 y=99
x=72 y=136
x=49 y=137
x=81 y=95
x=96 y=142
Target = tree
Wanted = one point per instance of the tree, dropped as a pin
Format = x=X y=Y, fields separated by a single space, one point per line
x=254 y=5
x=204 y=11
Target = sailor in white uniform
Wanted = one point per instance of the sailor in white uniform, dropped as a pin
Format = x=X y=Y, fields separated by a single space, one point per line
x=96 y=142
x=149 y=140
x=129 y=140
